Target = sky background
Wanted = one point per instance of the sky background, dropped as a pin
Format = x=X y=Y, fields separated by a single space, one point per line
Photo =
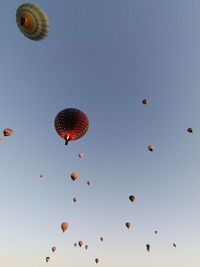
x=102 y=57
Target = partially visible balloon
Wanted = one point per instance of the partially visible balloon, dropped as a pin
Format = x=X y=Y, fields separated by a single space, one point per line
x=80 y=243
x=32 y=21
x=151 y=148
x=1 y=138
x=7 y=132
x=47 y=259
x=53 y=249
x=71 y=124
x=128 y=225
x=74 y=176
x=64 y=226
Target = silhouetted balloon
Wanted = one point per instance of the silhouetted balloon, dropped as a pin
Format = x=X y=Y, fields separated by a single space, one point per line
x=75 y=244
x=80 y=155
x=96 y=260
x=74 y=199
x=145 y=101
x=156 y=232
x=148 y=247
x=86 y=246
x=174 y=245
x=88 y=182
x=47 y=259
x=151 y=148
x=74 y=176
x=128 y=225
x=53 y=249
x=190 y=130
x=41 y=175
x=131 y=198
x=80 y=243
x=71 y=124
x=64 y=226
x=7 y=132
x=101 y=238
x=32 y=21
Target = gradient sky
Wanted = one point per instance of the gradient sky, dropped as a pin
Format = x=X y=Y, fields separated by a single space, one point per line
x=103 y=57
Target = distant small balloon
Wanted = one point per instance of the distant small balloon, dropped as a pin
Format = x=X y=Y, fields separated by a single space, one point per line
x=156 y=232
x=74 y=176
x=101 y=238
x=53 y=249
x=41 y=175
x=96 y=260
x=145 y=101
x=86 y=246
x=174 y=245
x=88 y=182
x=1 y=138
x=148 y=247
x=128 y=225
x=190 y=130
x=47 y=259
x=74 y=199
x=151 y=148
x=75 y=244
x=64 y=226
x=80 y=243
x=131 y=198
x=80 y=155
x=7 y=132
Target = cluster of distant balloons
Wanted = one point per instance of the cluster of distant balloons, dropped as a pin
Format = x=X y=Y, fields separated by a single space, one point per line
x=70 y=124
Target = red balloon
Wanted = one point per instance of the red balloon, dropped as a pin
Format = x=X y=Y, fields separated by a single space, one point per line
x=71 y=124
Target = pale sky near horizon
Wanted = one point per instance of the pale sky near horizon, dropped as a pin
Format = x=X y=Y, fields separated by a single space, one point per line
x=102 y=57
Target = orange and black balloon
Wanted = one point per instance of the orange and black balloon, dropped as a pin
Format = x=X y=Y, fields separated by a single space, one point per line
x=71 y=124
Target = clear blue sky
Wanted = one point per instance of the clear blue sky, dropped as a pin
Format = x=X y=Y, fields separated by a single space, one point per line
x=102 y=57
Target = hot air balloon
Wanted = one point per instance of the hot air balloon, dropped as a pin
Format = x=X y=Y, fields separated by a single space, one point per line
x=41 y=175
x=7 y=132
x=131 y=198
x=64 y=226
x=128 y=225
x=75 y=244
x=71 y=124
x=32 y=21
x=1 y=138
x=47 y=259
x=190 y=130
x=174 y=245
x=86 y=246
x=74 y=199
x=80 y=243
x=53 y=249
x=88 y=182
x=74 y=176
x=151 y=148
x=96 y=260
x=145 y=101
x=80 y=155
x=148 y=247
x=101 y=238
x=156 y=232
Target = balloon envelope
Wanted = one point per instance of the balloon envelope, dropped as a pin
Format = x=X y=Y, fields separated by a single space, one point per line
x=53 y=249
x=64 y=226
x=32 y=21
x=7 y=132
x=74 y=176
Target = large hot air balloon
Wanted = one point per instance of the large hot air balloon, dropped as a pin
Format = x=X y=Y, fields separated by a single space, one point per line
x=80 y=243
x=64 y=226
x=96 y=260
x=148 y=247
x=53 y=249
x=74 y=176
x=131 y=198
x=128 y=225
x=47 y=259
x=32 y=21
x=7 y=132
x=71 y=124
